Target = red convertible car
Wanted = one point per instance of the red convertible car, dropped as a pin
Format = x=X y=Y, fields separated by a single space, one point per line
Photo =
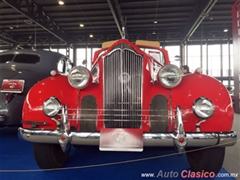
x=132 y=98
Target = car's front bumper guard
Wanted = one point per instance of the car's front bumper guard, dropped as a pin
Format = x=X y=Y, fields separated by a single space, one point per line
x=178 y=138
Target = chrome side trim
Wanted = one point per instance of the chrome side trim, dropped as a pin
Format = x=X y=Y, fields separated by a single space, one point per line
x=149 y=139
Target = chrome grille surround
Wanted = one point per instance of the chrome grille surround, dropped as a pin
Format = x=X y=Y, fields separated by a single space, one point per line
x=123 y=89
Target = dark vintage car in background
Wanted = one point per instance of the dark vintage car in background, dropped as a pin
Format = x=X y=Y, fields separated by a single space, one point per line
x=19 y=71
x=132 y=97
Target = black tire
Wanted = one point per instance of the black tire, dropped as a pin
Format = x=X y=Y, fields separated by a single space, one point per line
x=49 y=156
x=209 y=160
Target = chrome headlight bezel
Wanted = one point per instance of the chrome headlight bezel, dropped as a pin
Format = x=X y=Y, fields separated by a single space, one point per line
x=79 y=77
x=51 y=106
x=170 y=76
x=203 y=108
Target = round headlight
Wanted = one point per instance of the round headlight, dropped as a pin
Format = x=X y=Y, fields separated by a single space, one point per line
x=79 y=77
x=170 y=76
x=51 y=106
x=203 y=108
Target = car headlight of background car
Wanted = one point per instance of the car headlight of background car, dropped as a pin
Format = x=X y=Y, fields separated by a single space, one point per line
x=170 y=76
x=51 y=106
x=79 y=77
x=203 y=108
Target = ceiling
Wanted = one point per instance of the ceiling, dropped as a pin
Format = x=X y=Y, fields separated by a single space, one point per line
x=45 y=22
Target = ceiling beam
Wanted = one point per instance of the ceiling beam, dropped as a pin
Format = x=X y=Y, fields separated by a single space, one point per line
x=117 y=15
x=35 y=13
x=4 y=36
x=201 y=11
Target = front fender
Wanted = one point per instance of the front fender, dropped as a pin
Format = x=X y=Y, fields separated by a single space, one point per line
x=57 y=86
x=194 y=86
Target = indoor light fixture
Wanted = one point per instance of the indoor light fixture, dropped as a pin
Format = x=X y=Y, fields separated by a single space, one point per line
x=81 y=25
x=155 y=22
x=91 y=36
x=28 y=21
x=225 y=30
x=60 y=2
x=211 y=17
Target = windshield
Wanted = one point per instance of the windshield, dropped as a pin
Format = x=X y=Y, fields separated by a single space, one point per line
x=20 y=58
x=27 y=58
x=6 y=58
x=157 y=55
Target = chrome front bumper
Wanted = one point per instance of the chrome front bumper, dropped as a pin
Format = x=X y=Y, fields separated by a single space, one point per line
x=149 y=139
x=178 y=138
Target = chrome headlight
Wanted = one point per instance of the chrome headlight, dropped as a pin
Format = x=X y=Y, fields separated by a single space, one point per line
x=79 y=77
x=170 y=76
x=203 y=108
x=51 y=106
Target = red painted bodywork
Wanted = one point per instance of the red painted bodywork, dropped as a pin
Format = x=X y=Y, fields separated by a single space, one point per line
x=191 y=88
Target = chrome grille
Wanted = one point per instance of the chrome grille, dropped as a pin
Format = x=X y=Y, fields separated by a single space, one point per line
x=123 y=89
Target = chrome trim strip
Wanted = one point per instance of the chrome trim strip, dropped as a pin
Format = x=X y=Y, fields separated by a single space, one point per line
x=149 y=139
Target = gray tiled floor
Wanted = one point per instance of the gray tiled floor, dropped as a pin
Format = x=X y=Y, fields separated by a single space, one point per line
x=232 y=156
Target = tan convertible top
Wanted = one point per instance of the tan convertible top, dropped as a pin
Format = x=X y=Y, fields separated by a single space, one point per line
x=138 y=42
x=148 y=43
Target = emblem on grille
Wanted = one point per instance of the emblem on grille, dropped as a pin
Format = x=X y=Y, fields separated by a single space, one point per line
x=124 y=77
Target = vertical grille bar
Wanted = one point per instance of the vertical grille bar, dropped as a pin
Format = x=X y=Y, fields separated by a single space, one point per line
x=123 y=89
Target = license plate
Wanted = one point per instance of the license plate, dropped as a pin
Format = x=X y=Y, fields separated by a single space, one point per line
x=12 y=86
x=112 y=139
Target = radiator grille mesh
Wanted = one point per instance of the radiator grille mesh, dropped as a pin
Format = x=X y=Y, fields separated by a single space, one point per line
x=123 y=89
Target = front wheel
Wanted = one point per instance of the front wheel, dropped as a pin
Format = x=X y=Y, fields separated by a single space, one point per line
x=49 y=156
x=209 y=160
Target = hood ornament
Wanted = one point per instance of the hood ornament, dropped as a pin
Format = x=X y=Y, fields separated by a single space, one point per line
x=123 y=32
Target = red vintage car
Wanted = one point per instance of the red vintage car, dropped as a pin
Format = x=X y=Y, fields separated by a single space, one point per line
x=132 y=97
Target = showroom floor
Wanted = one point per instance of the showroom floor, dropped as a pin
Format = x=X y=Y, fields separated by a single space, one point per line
x=17 y=162
x=232 y=157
